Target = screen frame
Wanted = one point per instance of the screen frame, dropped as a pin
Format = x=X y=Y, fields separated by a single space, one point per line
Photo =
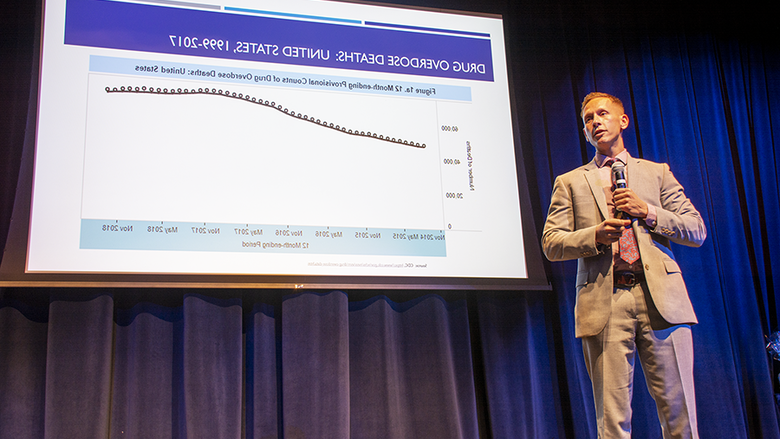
x=13 y=272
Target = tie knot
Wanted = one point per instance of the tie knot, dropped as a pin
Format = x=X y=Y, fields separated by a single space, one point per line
x=609 y=162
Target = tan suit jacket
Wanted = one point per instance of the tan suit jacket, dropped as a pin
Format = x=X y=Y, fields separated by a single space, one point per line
x=578 y=206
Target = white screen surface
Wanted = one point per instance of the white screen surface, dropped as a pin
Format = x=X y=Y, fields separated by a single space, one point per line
x=302 y=138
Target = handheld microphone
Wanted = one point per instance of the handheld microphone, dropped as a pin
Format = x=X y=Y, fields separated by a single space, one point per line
x=619 y=175
x=619 y=180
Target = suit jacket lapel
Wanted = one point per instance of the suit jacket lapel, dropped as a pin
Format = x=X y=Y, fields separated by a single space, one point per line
x=633 y=163
x=592 y=175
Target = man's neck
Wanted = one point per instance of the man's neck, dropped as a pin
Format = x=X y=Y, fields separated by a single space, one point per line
x=612 y=150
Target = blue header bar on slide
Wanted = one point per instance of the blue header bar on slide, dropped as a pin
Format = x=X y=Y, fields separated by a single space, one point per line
x=162 y=29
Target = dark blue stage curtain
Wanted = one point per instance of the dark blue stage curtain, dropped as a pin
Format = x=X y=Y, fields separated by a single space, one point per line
x=83 y=368
x=708 y=104
x=330 y=365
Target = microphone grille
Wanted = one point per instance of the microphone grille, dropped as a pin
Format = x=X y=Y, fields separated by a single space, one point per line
x=619 y=174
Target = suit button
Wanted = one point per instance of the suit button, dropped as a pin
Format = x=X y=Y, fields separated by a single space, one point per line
x=647 y=267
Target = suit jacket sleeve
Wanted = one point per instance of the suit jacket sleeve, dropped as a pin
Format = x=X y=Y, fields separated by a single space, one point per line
x=677 y=219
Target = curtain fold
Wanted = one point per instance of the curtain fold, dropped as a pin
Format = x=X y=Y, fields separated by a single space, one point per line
x=23 y=342
x=147 y=382
x=261 y=377
x=315 y=344
x=411 y=373
x=520 y=368
x=78 y=367
x=212 y=367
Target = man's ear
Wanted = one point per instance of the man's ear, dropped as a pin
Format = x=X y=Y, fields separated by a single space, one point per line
x=624 y=121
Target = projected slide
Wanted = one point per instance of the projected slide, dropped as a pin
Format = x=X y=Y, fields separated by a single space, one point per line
x=302 y=138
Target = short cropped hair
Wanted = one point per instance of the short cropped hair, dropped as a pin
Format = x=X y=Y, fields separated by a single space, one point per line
x=595 y=95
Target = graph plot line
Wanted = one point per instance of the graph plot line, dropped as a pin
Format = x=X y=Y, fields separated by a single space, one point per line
x=265 y=103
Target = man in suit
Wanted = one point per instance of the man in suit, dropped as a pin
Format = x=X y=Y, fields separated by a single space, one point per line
x=627 y=305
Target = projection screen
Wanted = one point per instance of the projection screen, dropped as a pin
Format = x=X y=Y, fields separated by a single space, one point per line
x=275 y=144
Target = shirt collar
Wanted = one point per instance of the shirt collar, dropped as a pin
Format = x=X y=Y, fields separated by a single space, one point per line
x=601 y=159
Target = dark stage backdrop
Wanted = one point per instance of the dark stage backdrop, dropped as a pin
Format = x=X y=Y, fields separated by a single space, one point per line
x=702 y=90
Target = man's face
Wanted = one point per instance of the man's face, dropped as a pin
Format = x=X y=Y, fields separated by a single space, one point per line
x=604 y=122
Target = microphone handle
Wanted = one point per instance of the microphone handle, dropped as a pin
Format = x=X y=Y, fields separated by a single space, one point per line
x=619 y=214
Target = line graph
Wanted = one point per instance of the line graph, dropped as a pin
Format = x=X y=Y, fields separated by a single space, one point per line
x=270 y=104
x=199 y=156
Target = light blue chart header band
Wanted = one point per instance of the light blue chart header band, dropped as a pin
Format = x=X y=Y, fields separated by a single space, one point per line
x=344 y=45
x=233 y=75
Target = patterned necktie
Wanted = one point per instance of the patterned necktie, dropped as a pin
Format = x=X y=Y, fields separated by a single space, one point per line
x=628 y=248
x=627 y=244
